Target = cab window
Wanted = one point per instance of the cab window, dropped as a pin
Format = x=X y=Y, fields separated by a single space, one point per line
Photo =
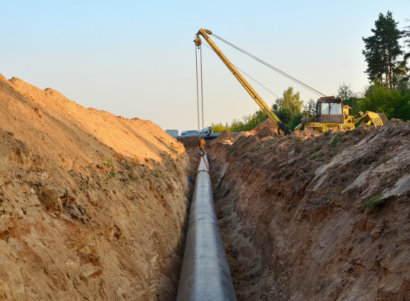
x=336 y=109
x=325 y=108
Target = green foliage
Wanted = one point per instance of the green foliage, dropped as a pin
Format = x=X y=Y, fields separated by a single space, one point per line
x=385 y=159
x=218 y=127
x=156 y=174
x=128 y=167
x=249 y=122
x=395 y=103
x=383 y=52
x=310 y=107
x=315 y=157
x=373 y=204
x=335 y=140
x=174 y=150
x=107 y=162
x=112 y=173
x=349 y=98
x=407 y=42
x=285 y=172
x=289 y=108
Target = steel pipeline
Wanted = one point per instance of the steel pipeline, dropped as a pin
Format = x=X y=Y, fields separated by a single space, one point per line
x=205 y=271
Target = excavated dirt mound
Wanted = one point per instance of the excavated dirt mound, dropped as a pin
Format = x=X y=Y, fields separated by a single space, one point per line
x=267 y=123
x=225 y=136
x=317 y=217
x=92 y=206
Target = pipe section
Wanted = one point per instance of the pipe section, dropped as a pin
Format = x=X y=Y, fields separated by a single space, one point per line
x=205 y=271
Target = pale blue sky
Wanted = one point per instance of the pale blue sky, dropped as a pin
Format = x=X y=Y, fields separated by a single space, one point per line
x=136 y=58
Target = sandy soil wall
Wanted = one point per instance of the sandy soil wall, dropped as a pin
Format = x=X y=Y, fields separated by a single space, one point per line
x=317 y=217
x=92 y=206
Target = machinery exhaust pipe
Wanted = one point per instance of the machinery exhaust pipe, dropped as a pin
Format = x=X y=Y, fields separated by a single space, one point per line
x=205 y=271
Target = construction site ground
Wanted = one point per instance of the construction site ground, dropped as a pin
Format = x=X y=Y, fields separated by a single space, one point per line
x=94 y=206
x=315 y=216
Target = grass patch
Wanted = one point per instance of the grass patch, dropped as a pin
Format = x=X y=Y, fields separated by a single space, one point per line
x=128 y=167
x=384 y=160
x=327 y=162
x=316 y=149
x=285 y=172
x=174 y=150
x=315 y=157
x=156 y=174
x=111 y=174
x=297 y=142
x=107 y=162
x=386 y=177
x=373 y=204
x=335 y=140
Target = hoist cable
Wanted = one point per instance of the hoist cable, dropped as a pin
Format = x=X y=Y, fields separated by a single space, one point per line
x=256 y=81
x=270 y=66
x=250 y=77
x=202 y=95
x=197 y=91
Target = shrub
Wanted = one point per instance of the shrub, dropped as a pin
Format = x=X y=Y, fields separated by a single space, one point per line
x=373 y=204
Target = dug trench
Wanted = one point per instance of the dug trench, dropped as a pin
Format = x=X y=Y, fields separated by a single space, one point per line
x=92 y=206
x=315 y=217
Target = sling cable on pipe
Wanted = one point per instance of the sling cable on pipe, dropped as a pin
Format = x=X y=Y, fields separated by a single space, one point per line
x=205 y=273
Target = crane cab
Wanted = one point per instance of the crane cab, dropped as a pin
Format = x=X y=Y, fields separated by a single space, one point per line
x=330 y=113
x=329 y=110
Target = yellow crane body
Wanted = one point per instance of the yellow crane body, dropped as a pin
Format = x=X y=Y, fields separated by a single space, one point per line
x=331 y=113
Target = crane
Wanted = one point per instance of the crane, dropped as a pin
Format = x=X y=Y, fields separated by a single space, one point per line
x=282 y=127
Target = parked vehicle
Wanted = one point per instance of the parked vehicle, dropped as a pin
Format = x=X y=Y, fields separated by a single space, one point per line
x=188 y=134
x=206 y=131
x=172 y=133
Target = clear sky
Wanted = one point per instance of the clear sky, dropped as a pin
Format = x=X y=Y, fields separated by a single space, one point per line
x=136 y=58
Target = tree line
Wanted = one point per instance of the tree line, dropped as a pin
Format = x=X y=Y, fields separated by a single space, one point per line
x=387 y=52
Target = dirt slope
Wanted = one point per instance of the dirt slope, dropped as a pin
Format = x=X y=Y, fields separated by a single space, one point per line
x=72 y=227
x=317 y=217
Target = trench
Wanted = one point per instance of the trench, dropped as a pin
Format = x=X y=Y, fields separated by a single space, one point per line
x=246 y=262
x=244 y=259
x=315 y=219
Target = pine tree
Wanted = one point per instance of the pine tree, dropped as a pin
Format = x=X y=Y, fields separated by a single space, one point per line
x=383 y=52
x=407 y=41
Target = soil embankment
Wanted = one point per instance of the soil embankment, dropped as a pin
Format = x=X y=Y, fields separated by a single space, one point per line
x=316 y=217
x=92 y=206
